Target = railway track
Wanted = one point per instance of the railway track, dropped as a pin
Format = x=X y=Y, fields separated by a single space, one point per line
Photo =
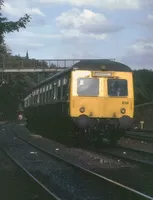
x=130 y=192
x=18 y=164
x=17 y=182
x=53 y=196
x=129 y=154
x=145 y=153
x=57 y=186
x=148 y=137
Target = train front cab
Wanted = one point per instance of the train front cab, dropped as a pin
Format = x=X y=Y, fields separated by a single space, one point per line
x=102 y=99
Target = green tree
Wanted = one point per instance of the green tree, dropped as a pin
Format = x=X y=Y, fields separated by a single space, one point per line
x=10 y=93
x=143 y=82
x=7 y=26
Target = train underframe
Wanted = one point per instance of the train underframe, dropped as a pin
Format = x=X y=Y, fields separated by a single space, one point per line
x=78 y=129
x=96 y=129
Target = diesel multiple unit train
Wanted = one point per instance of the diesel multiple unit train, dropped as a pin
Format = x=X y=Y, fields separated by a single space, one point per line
x=92 y=99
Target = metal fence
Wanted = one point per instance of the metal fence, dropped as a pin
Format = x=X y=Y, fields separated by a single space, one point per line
x=9 y=63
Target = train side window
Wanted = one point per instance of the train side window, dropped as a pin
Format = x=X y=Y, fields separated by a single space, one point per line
x=33 y=98
x=37 y=97
x=25 y=103
x=41 y=96
x=30 y=100
x=37 y=94
x=51 y=91
x=47 y=93
x=55 y=91
x=65 y=88
x=59 y=89
x=44 y=94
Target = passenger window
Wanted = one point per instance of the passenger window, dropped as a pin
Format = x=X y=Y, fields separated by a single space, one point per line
x=30 y=100
x=44 y=95
x=35 y=96
x=41 y=95
x=55 y=91
x=65 y=88
x=51 y=92
x=38 y=100
x=59 y=90
x=47 y=93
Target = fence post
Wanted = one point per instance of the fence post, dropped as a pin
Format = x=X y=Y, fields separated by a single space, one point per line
x=141 y=125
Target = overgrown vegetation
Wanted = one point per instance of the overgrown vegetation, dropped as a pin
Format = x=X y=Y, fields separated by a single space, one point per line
x=143 y=86
x=8 y=103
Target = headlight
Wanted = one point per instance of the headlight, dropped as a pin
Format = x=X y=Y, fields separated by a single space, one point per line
x=82 y=109
x=123 y=110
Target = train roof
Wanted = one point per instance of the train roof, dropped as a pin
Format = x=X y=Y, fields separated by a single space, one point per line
x=102 y=64
x=91 y=64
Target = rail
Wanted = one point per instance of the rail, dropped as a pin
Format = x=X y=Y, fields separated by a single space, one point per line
x=84 y=169
x=32 y=177
x=144 y=104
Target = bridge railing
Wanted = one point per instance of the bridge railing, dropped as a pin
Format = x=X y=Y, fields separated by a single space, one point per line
x=17 y=63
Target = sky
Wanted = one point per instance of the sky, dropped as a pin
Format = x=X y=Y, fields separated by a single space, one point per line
x=65 y=29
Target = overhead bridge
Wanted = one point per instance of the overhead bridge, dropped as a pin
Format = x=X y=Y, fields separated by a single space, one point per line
x=16 y=64
x=32 y=70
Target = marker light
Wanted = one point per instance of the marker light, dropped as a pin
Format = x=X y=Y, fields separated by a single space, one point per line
x=123 y=110
x=82 y=109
